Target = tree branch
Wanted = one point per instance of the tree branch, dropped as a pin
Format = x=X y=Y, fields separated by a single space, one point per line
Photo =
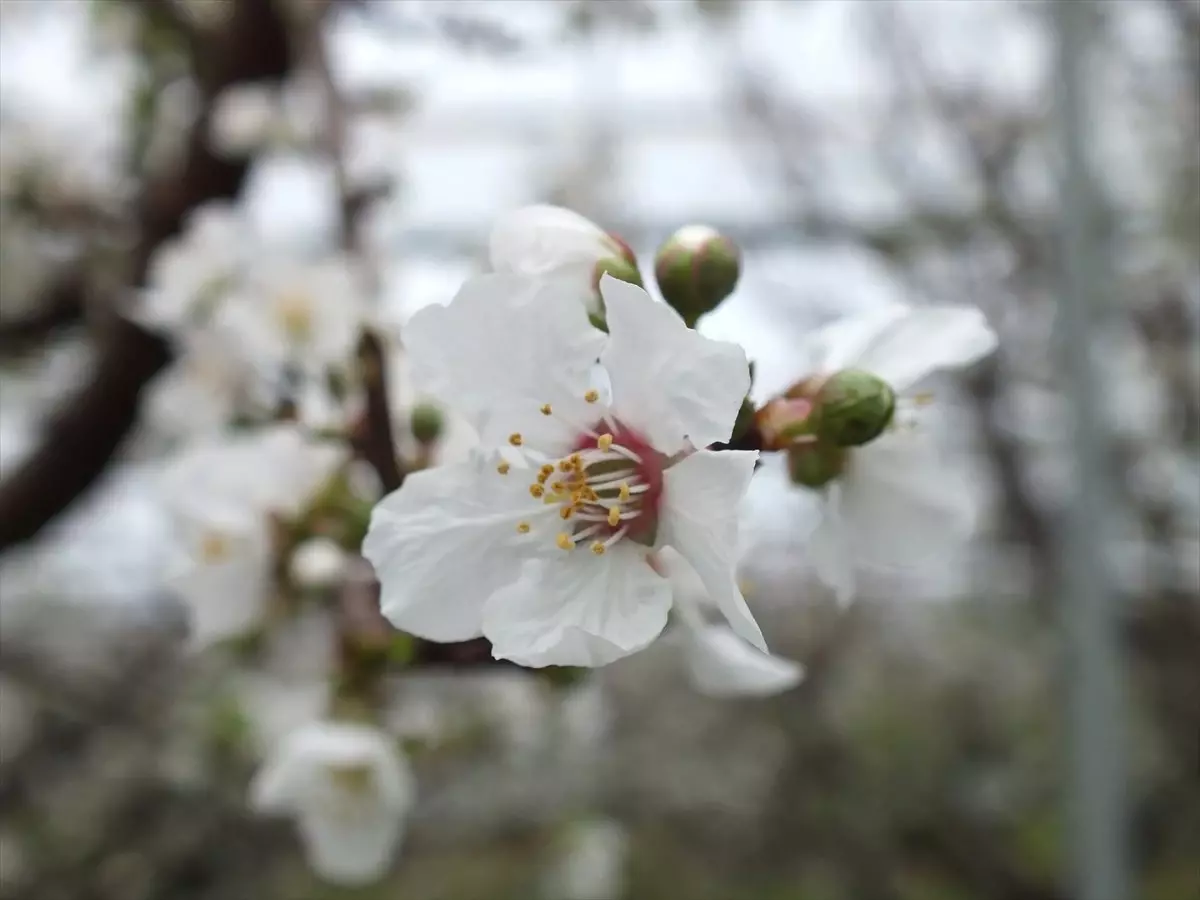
x=83 y=437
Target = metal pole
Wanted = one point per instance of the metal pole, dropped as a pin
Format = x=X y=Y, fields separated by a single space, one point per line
x=1091 y=621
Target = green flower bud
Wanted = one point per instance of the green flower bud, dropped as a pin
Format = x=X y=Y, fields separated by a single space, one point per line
x=854 y=408
x=618 y=267
x=623 y=268
x=426 y=423
x=697 y=268
x=815 y=464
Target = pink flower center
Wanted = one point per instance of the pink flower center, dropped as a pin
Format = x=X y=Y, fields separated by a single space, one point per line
x=607 y=488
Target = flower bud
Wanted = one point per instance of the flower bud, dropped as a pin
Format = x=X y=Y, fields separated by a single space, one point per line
x=697 y=268
x=426 y=422
x=853 y=408
x=618 y=267
x=317 y=563
x=815 y=464
x=783 y=420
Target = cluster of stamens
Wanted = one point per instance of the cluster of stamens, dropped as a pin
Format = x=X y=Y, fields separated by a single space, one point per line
x=599 y=490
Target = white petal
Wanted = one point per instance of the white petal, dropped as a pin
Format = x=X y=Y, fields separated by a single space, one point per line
x=690 y=595
x=668 y=381
x=721 y=664
x=225 y=597
x=351 y=850
x=443 y=542
x=501 y=349
x=841 y=344
x=701 y=496
x=278 y=785
x=535 y=240
x=899 y=504
x=829 y=548
x=902 y=345
x=578 y=609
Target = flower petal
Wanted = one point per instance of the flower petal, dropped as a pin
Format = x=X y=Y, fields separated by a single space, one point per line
x=721 y=664
x=701 y=496
x=829 y=548
x=841 y=344
x=538 y=239
x=351 y=850
x=442 y=543
x=278 y=785
x=506 y=345
x=668 y=381
x=902 y=344
x=579 y=609
x=898 y=503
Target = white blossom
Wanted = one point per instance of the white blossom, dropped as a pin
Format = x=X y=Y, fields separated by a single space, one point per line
x=248 y=117
x=350 y=791
x=554 y=243
x=203 y=392
x=593 y=863
x=318 y=563
x=298 y=316
x=220 y=494
x=896 y=504
x=546 y=552
x=192 y=272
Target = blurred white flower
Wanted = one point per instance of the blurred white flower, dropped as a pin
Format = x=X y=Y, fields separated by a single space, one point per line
x=719 y=663
x=190 y=274
x=250 y=117
x=348 y=788
x=318 y=563
x=558 y=244
x=220 y=495
x=895 y=504
x=203 y=392
x=244 y=117
x=593 y=863
x=547 y=553
x=289 y=315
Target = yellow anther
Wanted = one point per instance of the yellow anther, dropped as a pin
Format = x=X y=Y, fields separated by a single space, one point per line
x=536 y=490
x=295 y=312
x=215 y=547
x=564 y=541
x=614 y=516
x=565 y=466
x=598 y=548
x=547 y=469
x=592 y=396
x=558 y=487
x=503 y=468
x=515 y=439
x=623 y=493
x=604 y=441
x=546 y=410
x=566 y=512
x=523 y=527
x=576 y=462
x=923 y=399
x=542 y=476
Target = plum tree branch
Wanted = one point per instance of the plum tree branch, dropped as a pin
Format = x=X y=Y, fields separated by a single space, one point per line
x=82 y=438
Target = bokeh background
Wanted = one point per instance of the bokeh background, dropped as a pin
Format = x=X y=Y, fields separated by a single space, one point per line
x=859 y=152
